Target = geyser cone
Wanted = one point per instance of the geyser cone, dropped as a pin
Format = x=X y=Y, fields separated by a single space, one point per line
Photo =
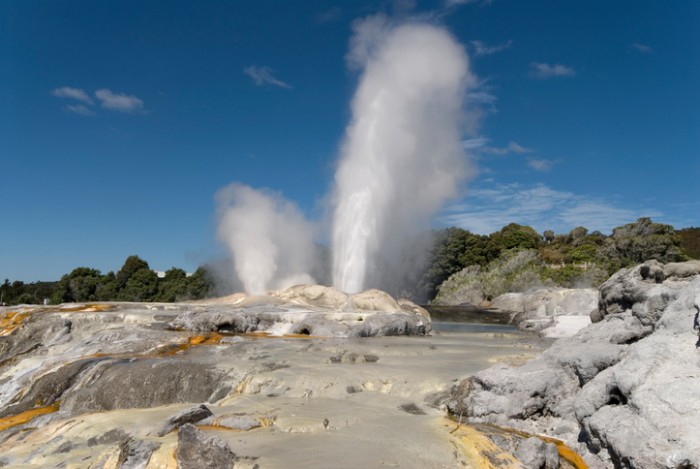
x=402 y=156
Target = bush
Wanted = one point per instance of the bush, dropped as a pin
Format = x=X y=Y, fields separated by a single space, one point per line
x=515 y=271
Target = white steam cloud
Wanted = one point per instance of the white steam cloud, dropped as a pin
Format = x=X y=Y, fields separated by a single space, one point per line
x=402 y=157
x=270 y=240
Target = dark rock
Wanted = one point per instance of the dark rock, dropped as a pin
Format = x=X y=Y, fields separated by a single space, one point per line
x=412 y=409
x=49 y=388
x=652 y=270
x=196 y=450
x=191 y=415
x=134 y=454
x=138 y=383
x=65 y=447
x=112 y=436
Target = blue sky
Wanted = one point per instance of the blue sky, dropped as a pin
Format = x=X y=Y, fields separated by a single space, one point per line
x=119 y=120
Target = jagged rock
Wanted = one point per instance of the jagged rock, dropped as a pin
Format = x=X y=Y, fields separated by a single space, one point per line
x=626 y=386
x=536 y=454
x=135 y=454
x=196 y=450
x=191 y=415
x=48 y=388
x=653 y=270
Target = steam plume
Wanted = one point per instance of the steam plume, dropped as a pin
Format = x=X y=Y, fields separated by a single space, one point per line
x=402 y=156
x=270 y=240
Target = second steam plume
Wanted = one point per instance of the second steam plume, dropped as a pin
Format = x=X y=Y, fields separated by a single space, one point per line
x=400 y=160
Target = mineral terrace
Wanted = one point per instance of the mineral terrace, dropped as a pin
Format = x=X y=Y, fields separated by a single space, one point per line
x=309 y=377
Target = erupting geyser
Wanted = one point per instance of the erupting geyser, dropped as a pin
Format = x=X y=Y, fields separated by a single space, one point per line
x=402 y=156
x=269 y=238
x=400 y=160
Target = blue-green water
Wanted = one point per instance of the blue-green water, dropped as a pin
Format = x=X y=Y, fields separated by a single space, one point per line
x=452 y=326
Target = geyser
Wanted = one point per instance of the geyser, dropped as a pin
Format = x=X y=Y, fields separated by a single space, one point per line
x=269 y=239
x=400 y=160
x=402 y=156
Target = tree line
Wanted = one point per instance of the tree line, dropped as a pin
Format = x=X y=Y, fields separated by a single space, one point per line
x=135 y=281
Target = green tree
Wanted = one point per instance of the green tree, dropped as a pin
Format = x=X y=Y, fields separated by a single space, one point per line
x=583 y=253
x=108 y=288
x=577 y=235
x=200 y=284
x=689 y=239
x=132 y=265
x=142 y=285
x=640 y=241
x=514 y=236
x=453 y=250
x=173 y=286
x=5 y=292
x=78 y=286
x=548 y=236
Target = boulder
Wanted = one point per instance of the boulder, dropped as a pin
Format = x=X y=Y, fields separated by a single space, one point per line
x=682 y=269
x=135 y=454
x=536 y=454
x=552 y=312
x=195 y=450
x=190 y=415
x=313 y=295
x=622 y=391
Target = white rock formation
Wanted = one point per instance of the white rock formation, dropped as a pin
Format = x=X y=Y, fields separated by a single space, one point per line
x=624 y=390
x=553 y=312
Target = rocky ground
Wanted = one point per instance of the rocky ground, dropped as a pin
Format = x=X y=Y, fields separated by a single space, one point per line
x=623 y=391
x=551 y=312
x=307 y=378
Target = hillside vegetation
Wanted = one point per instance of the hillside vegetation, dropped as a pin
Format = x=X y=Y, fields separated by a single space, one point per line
x=517 y=258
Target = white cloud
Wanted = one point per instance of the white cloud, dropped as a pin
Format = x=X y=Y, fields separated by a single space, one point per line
x=480 y=48
x=80 y=109
x=539 y=164
x=512 y=147
x=643 y=48
x=72 y=93
x=263 y=76
x=481 y=97
x=330 y=15
x=474 y=143
x=118 y=102
x=544 y=71
x=488 y=209
x=455 y=3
